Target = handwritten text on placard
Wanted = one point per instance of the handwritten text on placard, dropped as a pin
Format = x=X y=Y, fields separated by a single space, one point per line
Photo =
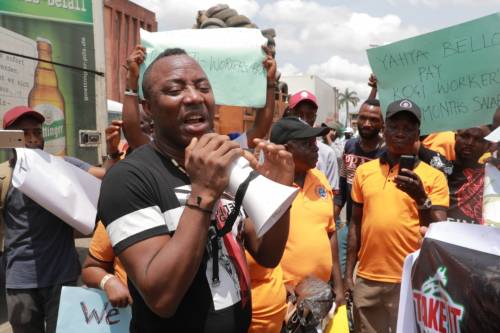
x=453 y=74
x=231 y=58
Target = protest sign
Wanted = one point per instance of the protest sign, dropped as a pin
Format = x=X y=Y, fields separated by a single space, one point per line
x=453 y=74
x=494 y=136
x=63 y=189
x=454 y=284
x=406 y=313
x=231 y=57
x=491 y=196
x=88 y=310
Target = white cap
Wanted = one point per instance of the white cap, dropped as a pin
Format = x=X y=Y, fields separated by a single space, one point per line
x=349 y=130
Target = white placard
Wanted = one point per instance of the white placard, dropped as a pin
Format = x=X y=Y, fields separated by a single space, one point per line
x=58 y=186
x=406 y=313
x=491 y=196
x=494 y=136
x=231 y=57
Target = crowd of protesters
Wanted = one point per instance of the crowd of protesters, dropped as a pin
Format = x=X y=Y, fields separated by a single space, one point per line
x=172 y=244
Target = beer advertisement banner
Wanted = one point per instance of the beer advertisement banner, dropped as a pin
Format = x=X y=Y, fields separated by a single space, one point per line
x=454 y=284
x=47 y=62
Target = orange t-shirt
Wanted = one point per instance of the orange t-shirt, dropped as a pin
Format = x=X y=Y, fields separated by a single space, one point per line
x=308 y=250
x=443 y=143
x=268 y=298
x=100 y=248
x=390 y=223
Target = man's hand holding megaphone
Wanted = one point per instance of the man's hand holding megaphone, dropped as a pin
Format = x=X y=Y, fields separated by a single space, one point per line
x=278 y=162
x=215 y=164
x=208 y=163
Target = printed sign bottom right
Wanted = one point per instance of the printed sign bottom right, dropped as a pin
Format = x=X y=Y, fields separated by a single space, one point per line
x=456 y=289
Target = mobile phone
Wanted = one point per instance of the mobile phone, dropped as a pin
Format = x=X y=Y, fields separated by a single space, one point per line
x=12 y=139
x=407 y=162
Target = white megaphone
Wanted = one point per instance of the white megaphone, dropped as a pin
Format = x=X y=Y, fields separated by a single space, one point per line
x=265 y=201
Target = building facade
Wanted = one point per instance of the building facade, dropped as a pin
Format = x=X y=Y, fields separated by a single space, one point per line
x=122 y=21
x=326 y=94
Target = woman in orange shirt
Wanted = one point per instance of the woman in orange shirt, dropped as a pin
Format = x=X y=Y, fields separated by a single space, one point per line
x=268 y=298
x=102 y=269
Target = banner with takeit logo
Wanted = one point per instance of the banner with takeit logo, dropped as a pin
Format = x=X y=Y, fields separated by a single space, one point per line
x=453 y=284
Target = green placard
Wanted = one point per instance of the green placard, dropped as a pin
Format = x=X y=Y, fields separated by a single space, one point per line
x=55 y=10
x=453 y=74
x=231 y=58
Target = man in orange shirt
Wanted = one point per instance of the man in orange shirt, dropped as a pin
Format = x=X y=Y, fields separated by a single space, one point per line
x=311 y=248
x=441 y=142
x=388 y=209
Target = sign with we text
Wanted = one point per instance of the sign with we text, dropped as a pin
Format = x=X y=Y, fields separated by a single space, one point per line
x=89 y=310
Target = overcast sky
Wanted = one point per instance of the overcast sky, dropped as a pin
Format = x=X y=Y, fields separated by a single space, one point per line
x=329 y=38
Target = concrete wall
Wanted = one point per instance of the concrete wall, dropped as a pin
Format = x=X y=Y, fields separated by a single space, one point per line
x=326 y=94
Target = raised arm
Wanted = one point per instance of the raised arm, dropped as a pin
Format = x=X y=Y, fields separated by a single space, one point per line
x=112 y=134
x=264 y=116
x=130 y=114
x=372 y=82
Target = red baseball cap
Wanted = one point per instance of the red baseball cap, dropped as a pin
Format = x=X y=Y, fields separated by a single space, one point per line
x=300 y=96
x=17 y=112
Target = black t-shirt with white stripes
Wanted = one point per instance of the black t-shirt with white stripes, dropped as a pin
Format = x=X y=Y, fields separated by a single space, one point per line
x=143 y=197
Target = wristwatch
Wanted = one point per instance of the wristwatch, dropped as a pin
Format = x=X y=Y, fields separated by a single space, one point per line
x=427 y=204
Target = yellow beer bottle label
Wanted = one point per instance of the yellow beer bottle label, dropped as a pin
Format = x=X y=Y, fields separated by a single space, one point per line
x=53 y=128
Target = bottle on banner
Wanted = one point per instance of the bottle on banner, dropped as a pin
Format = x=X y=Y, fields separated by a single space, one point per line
x=46 y=98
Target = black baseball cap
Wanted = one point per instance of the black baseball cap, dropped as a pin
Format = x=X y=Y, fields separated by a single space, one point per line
x=291 y=128
x=403 y=105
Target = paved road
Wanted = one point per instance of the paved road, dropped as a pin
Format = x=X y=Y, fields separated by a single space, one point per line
x=5 y=328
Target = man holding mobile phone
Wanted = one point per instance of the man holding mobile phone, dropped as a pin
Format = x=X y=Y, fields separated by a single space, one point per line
x=389 y=206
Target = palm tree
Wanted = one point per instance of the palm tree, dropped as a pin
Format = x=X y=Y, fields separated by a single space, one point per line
x=348 y=97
